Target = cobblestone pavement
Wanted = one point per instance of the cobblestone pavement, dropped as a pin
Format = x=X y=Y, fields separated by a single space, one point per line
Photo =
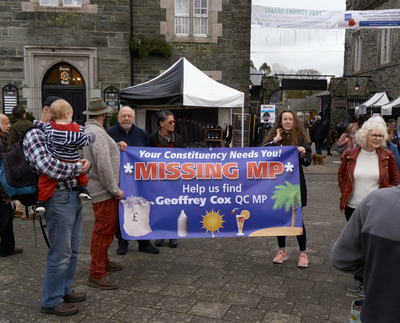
x=201 y=281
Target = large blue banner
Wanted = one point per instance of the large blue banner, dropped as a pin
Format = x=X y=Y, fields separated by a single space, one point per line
x=216 y=192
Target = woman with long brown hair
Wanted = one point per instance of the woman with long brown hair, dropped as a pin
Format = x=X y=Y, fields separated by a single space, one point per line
x=289 y=131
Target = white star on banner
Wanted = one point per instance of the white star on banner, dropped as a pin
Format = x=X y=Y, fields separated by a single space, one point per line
x=289 y=167
x=128 y=168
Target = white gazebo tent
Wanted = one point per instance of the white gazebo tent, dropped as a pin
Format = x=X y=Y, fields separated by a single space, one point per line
x=380 y=99
x=184 y=85
x=392 y=108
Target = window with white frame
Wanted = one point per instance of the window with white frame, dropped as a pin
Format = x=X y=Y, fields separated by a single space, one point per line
x=61 y=3
x=191 y=18
x=182 y=17
x=386 y=46
x=81 y=6
x=357 y=48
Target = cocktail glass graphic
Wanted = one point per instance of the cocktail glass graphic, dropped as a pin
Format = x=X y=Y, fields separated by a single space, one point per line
x=240 y=217
x=240 y=224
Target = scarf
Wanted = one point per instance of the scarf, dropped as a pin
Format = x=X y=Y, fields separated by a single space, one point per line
x=166 y=141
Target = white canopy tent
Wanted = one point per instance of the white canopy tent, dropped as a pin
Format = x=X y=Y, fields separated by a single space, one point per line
x=184 y=85
x=389 y=108
x=378 y=99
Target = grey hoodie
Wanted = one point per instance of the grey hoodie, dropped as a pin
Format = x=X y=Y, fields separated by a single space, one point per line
x=369 y=246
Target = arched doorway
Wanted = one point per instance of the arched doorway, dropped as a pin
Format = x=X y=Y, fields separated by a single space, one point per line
x=65 y=81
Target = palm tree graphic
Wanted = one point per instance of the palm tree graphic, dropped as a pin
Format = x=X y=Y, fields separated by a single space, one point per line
x=289 y=196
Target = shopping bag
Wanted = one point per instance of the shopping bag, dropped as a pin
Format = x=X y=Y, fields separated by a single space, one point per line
x=136 y=216
x=356 y=306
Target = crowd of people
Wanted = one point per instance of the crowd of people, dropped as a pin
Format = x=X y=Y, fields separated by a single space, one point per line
x=51 y=149
x=368 y=177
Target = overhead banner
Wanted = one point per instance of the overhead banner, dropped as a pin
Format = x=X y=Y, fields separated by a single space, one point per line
x=273 y=17
x=219 y=192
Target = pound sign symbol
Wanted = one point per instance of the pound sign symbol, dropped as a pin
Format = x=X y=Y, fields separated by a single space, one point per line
x=134 y=219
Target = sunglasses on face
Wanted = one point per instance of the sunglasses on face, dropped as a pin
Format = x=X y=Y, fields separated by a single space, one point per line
x=171 y=122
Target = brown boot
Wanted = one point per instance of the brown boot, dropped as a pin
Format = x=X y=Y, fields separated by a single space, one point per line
x=18 y=214
x=74 y=297
x=16 y=251
x=30 y=217
x=102 y=283
x=62 y=309
x=113 y=266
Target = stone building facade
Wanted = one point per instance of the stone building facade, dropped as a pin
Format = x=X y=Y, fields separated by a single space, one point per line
x=373 y=54
x=78 y=48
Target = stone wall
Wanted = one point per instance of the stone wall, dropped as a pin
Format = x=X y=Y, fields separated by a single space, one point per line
x=384 y=76
x=108 y=30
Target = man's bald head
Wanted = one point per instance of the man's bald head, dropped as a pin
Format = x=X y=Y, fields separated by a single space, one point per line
x=126 y=117
x=4 y=123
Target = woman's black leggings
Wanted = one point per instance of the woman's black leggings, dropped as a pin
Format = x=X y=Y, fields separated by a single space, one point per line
x=301 y=239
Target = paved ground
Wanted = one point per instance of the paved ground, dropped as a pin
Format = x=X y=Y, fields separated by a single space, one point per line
x=203 y=280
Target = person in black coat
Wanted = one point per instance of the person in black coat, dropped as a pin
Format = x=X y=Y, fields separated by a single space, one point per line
x=318 y=134
x=289 y=131
x=166 y=137
x=7 y=240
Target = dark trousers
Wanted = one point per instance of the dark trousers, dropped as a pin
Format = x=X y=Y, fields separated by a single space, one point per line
x=7 y=240
x=318 y=146
x=348 y=211
x=123 y=242
x=301 y=239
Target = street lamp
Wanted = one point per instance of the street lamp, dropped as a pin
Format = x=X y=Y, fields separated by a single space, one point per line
x=357 y=86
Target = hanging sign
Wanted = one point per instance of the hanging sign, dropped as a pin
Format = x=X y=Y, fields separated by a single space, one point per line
x=370 y=19
x=10 y=98
x=304 y=84
x=273 y=17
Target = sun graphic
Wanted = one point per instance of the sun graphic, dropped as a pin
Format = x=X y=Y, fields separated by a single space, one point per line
x=212 y=221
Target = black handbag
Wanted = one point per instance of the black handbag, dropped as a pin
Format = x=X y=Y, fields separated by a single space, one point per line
x=341 y=149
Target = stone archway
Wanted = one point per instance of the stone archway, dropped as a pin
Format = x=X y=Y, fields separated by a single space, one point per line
x=38 y=60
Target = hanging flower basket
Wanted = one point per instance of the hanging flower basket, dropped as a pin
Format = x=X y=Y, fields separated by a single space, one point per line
x=144 y=46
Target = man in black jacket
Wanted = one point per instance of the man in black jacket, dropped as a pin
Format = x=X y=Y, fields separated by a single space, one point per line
x=318 y=134
x=7 y=240
x=125 y=133
x=15 y=134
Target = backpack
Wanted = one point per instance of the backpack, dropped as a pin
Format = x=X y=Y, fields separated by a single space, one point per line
x=16 y=176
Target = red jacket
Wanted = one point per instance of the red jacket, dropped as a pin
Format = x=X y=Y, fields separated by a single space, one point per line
x=388 y=174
